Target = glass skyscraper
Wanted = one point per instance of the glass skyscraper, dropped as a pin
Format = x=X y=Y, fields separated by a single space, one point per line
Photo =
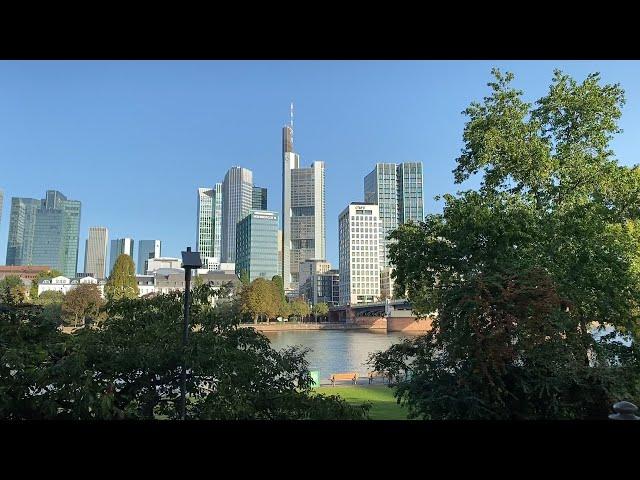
x=237 y=200
x=147 y=249
x=397 y=190
x=22 y=224
x=259 y=199
x=45 y=232
x=257 y=245
x=118 y=247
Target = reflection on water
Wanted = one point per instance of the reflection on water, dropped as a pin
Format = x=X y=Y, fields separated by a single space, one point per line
x=334 y=351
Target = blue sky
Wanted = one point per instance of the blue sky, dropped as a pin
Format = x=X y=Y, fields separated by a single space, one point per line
x=133 y=140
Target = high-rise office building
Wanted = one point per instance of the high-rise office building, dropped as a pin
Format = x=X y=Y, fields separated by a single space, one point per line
x=358 y=251
x=118 y=247
x=259 y=198
x=147 y=249
x=209 y=229
x=308 y=268
x=95 y=252
x=237 y=200
x=22 y=225
x=397 y=190
x=303 y=210
x=257 y=245
x=322 y=287
x=45 y=232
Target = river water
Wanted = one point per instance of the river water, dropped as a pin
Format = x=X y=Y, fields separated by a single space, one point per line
x=335 y=351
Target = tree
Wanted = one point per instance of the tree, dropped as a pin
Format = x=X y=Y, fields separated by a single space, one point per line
x=277 y=280
x=320 y=310
x=129 y=368
x=122 y=281
x=12 y=290
x=260 y=299
x=83 y=302
x=51 y=302
x=520 y=271
x=49 y=274
x=299 y=308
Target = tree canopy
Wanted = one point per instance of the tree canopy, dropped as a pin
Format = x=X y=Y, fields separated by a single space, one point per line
x=519 y=272
x=129 y=366
x=122 y=280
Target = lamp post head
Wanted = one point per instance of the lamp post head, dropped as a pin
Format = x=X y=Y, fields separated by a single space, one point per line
x=191 y=259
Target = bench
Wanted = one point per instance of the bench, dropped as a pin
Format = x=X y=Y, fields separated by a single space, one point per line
x=374 y=374
x=352 y=376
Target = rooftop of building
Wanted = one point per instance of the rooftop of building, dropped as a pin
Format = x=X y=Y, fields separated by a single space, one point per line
x=24 y=268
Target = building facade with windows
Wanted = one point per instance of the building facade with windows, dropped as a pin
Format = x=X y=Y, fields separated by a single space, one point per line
x=147 y=249
x=22 y=225
x=397 y=189
x=358 y=251
x=237 y=202
x=303 y=211
x=259 y=198
x=95 y=252
x=45 y=232
x=257 y=245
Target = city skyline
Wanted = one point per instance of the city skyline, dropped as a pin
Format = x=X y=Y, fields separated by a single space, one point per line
x=351 y=115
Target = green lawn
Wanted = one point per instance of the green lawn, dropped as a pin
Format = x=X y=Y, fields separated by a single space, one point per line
x=381 y=396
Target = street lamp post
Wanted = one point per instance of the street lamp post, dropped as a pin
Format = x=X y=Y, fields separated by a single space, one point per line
x=189 y=260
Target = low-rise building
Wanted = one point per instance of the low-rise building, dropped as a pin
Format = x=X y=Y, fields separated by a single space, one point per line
x=169 y=279
x=65 y=285
x=155 y=264
x=146 y=284
x=322 y=287
x=26 y=273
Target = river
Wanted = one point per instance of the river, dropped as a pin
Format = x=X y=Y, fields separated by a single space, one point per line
x=334 y=351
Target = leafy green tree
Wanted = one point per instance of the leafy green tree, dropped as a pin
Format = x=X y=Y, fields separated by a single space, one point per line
x=244 y=278
x=82 y=303
x=277 y=280
x=519 y=272
x=12 y=290
x=129 y=367
x=51 y=302
x=49 y=274
x=122 y=281
x=320 y=309
x=299 y=308
x=261 y=299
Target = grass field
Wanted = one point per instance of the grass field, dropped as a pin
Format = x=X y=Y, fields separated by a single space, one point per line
x=381 y=396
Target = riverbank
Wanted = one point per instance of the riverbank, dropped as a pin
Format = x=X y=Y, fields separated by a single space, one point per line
x=284 y=326
x=383 y=403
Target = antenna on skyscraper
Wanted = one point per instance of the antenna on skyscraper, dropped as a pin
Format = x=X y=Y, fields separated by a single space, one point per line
x=291 y=114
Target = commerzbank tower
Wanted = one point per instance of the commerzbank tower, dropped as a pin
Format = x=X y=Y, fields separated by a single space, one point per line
x=303 y=211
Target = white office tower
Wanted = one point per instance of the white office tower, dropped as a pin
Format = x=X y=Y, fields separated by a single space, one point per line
x=118 y=247
x=397 y=190
x=237 y=200
x=358 y=252
x=95 y=252
x=209 y=228
x=303 y=211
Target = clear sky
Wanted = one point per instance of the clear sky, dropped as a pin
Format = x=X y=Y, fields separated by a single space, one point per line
x=133 y=140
